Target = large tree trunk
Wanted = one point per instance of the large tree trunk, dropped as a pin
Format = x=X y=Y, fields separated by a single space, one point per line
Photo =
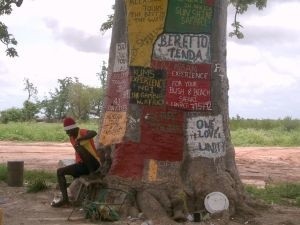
x=166 y=107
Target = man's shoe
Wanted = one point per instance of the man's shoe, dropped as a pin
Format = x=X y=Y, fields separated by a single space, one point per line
x=60 y=203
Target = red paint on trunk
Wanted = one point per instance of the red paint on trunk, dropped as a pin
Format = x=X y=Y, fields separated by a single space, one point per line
x=188 y=85
x=161 y=139
x=118 y=92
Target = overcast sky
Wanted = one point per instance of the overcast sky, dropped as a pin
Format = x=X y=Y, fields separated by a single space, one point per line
x=60 y=38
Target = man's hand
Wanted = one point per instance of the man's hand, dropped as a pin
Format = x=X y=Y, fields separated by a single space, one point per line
x=77 y=142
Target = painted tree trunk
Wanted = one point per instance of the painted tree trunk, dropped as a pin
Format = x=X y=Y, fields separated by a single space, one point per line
x=166 y=106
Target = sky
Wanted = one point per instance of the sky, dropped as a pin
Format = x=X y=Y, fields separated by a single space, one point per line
x=62 y=38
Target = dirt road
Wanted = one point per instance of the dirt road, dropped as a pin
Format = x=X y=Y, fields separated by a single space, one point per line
x=255 y=164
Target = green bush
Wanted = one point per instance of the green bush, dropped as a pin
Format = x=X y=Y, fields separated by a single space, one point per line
x=36 y=185
x=3 y=172
x=289 y=124
x=13 y=114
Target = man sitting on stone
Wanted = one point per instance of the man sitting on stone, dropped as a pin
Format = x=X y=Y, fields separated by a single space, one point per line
x=86 y=159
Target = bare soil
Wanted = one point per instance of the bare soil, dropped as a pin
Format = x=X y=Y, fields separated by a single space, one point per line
x=257 y=165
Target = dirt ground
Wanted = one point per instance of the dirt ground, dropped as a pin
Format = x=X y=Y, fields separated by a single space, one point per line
x=256 y=166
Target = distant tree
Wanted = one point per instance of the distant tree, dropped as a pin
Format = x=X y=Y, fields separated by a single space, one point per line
x=100 y=96
x=30 y=110
x=103 y=74
x=96 y=101
x=73 y=98
x=79 y=100
x=30 y=89
x=48 y=107
x=85 y=101
x=57 y=105
x=5 y=37
x=241 y=6
x=60 y=97
x=109 y=23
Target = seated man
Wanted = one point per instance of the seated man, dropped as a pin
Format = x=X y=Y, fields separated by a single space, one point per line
x=86 y=158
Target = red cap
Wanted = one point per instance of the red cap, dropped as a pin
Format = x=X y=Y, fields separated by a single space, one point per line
x=69 y=123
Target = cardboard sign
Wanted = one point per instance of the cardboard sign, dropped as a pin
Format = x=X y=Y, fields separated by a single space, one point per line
x=113 y=128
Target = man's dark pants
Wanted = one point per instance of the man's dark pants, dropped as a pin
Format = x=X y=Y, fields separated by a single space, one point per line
x=89 y=165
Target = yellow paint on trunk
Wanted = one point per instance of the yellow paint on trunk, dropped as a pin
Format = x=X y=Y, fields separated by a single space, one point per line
x=152 y=173
x=145 y=20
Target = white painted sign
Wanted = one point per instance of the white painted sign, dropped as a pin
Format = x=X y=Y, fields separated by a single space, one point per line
x=121 y=58
x=205 y=136
x=191 y=48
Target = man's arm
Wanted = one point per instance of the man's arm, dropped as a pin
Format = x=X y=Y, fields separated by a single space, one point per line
x=89 y=135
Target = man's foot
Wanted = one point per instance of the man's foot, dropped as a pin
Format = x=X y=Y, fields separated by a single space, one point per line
x=60 y=203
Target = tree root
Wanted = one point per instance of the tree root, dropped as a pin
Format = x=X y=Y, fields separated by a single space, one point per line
x=152 y=209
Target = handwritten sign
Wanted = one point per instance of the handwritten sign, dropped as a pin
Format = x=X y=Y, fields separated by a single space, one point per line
x=113 y=128
x=118 y=92
x=205 y=136
x=189 y=16
x=188 y=85
x=145 y=21
x=190 y=48
x=147 y=86
x=121 y=59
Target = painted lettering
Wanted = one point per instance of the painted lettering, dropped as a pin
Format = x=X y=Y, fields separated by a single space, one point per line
x=192 y=48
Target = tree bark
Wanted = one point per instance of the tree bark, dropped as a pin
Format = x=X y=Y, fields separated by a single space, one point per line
x=172 y=154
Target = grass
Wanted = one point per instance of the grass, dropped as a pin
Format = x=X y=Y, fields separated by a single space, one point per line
x=246 y=137
x=253 y=132
x=244 y=132
x=34 y=132
x=35 y=180
x=283 y=194
x=3 y=172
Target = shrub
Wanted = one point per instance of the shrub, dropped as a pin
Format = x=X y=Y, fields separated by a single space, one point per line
x=3 y=172
x=37 y=185
x=13 y=114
